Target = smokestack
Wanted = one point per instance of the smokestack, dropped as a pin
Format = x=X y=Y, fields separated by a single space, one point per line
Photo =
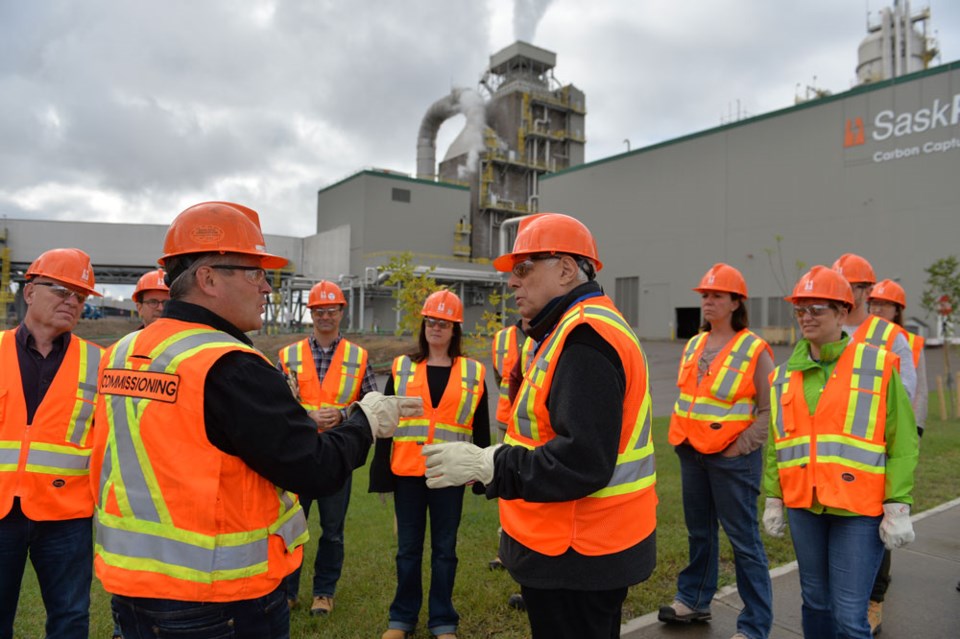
x=465 y=101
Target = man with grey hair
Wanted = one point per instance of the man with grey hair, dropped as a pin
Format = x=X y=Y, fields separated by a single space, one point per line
x=203 y=447
x=575 y=474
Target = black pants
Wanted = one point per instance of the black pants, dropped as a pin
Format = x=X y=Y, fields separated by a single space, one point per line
x=574 y=614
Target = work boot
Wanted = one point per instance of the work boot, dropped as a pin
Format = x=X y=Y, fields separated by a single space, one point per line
x=291 y=602
x=495 y=564
x=446 y=635
x=322 y=605
x=395 y=633
x=516 y=602
x=679 y=612
x=875 y=616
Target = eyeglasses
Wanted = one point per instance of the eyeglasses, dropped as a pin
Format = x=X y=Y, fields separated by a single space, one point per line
x=63 y=292
x=153 y=303
x=814 y=310
x=879 y=304
x=437 y=323
x=254 y=274
x=525 y=267
x=320 y=312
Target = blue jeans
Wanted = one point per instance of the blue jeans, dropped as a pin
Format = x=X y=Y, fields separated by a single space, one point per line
x=724 y=490
x=328 y=563
x=266 y=617
x=412 y=500
x=838 y=558
x=62 y=557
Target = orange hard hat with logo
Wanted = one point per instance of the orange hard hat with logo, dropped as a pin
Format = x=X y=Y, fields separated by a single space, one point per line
x=443 y=305
x=723 y=278
x=821 y=282
x=68 y=265
x=889 y=291
x=550 y=233
x=325 y=293
x=856 y=269
x=150 y=281
x=218 y=227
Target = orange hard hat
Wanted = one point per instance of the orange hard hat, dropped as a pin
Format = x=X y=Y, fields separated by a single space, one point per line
x=723 y=278
x=443 y=305
x=150 y=281
x=889 y=291
x=68 y=265
x=855 y=268
x=218 y=227
x=324 y=293
x=821 y=282
x=550 y=233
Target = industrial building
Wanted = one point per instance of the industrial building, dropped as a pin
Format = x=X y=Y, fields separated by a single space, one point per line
x=872 y=170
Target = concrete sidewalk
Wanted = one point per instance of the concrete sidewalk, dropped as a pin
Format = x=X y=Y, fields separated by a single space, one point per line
x=922 y=602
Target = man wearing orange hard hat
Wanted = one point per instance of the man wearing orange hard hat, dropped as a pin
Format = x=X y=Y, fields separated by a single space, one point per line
x=575 y=474
x=47 y=395
x=150 y=294
x=329 y=373
x=202 y=446
x=871 y=329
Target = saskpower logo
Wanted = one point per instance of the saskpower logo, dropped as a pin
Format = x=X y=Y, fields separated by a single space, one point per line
x=891 y=126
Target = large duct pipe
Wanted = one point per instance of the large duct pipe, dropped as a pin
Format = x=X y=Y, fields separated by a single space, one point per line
x=465 y=101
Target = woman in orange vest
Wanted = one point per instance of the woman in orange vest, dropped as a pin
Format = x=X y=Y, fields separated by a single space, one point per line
x=841 y=458
x=887 y=300
x=719 y=425
x=455 y=409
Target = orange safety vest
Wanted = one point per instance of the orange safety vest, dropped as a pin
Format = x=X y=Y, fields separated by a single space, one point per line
x=450 y=421
x=712 y=412
x=840 y=451
x=47 y=463
x=176 y=517
x=916 y=345
x=878 y=332
x=507 y=348
x=624 y=512
x=342 y=381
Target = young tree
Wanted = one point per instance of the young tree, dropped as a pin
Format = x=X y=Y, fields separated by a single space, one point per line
x=941 y=296
x=411 y=290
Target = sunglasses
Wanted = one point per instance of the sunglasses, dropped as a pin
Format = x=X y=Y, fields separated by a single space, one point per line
x=254 y=274
x=63 y=292
x=813 y=310
x=525 y=267
x=153 y=303
x=320 y=312
x=437 y=323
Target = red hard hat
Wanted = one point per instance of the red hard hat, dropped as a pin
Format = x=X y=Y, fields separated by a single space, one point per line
x=68 y=265
x=324 y=293
x=550 y=233
x=443 y=305
x=889 y=291
x=724 y=279
x=821 y=282
x=150 y=281
x=218 y=227
x=856 y=269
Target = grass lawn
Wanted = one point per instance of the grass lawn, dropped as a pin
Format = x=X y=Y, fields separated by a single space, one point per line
x=369 y=577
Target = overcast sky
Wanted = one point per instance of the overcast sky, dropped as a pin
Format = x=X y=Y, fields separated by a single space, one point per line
x=131 y=111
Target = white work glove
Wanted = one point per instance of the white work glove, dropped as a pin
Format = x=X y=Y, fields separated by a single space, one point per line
x=773 y=517
x=384 y=411
x=459 y=463
x=896 y=529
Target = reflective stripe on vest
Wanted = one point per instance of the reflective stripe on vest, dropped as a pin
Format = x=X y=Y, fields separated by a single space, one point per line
x=145 y=537
x=293 y=357
x=417 y=429
x=876 y=331
x=731 y=376
x=298 y=359
x=635 y=467
x=916 y=346
x=9 y=455
x=839 y=451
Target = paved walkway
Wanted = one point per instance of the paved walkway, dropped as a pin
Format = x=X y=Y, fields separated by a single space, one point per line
x=922 y=602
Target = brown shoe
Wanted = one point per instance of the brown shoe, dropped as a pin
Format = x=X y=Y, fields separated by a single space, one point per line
x=394 y=633
x=446 y=635
x=322 y=605
x=291 y=604
x=875 y=616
